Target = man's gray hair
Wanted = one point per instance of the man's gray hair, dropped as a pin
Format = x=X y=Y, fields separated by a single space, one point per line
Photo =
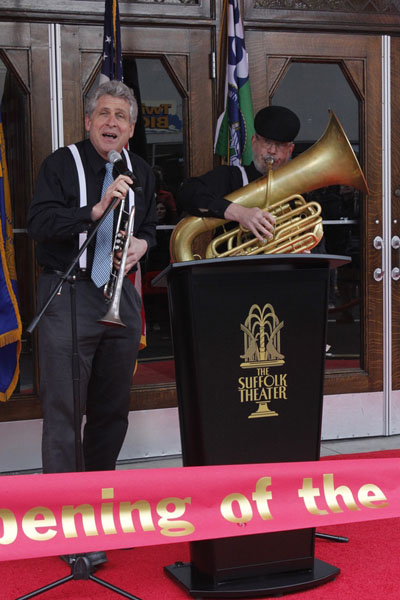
x=118 y=90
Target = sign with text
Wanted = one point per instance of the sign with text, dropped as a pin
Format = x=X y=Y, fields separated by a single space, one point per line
x=43 y=515
x=161 y=116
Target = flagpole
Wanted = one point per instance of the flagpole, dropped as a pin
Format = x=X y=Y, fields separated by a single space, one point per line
x=225 y=41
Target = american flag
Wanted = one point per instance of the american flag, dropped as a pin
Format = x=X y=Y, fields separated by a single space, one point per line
x=112 y=56
x=112 y=69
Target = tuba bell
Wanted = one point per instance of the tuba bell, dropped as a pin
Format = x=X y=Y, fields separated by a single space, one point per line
x=298 y=224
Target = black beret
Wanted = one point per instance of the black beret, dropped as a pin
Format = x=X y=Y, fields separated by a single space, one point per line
x=277 y=123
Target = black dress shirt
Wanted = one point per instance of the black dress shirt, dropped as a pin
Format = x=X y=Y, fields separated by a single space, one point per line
x=204 y=196
x=55 y=218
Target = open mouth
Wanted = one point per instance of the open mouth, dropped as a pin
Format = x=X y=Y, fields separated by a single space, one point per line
x=112 y=136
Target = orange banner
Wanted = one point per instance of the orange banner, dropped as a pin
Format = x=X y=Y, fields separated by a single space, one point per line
x=66 y=513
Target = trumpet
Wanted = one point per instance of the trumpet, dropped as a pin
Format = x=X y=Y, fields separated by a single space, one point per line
x=113 y=288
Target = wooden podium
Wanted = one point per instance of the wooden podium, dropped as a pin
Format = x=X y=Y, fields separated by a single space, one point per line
x=249 y=337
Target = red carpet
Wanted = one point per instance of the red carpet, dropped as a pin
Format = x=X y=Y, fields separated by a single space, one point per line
x=369 y=565
x=151 y=372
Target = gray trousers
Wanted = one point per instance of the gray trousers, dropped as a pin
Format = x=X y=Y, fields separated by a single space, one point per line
x=107 y=357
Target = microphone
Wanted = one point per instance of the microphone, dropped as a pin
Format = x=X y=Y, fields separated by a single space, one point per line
x=116 y=159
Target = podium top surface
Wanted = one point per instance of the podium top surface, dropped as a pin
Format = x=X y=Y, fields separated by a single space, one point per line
x=289 y=261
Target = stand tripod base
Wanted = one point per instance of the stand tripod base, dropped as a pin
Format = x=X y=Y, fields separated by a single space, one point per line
x=275 y=584
x=81 y=568
x=332 y=538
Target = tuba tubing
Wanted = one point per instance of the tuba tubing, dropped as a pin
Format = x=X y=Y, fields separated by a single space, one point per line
x=330 y=161
x=305 y=216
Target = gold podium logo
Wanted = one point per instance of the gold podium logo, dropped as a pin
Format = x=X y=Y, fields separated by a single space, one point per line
x=262 y=340
x=262 y=350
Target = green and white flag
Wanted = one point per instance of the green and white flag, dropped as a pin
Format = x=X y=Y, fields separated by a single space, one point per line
x=235 y=125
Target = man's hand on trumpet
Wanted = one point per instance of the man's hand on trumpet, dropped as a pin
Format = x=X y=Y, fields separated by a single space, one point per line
x=136 y=249
x=260 y=223
x=117 y=189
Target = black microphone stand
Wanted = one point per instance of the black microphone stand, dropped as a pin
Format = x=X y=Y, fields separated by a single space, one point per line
x=332 y=538
x=82 y=567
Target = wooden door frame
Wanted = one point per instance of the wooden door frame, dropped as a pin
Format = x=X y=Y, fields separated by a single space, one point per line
x=395 y=205
x=204 y=16
x=25 y=51
x=340 y=48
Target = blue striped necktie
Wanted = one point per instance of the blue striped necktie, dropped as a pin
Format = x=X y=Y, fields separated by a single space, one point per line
x=101 y=266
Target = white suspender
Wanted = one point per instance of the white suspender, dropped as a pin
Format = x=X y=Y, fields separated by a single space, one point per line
x=245 y=179
x=83 y=193
x=82 y=197
x=131 y=192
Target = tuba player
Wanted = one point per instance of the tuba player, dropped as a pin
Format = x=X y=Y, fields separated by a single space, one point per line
x=272 y=144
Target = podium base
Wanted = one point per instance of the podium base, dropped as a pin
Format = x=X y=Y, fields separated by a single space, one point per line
x=277 y=584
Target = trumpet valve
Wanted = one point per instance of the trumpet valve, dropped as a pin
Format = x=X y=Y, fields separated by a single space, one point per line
x=109 y=287
x=119 y=242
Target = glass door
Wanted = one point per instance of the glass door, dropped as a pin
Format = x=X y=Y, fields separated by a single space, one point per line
x=311 y=73
x=341 y=205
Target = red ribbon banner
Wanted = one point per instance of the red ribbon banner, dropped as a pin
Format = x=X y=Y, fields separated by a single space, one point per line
x=66 y=513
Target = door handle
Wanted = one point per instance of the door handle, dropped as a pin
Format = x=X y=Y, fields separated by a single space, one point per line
x=379 y=271
x=395 y=243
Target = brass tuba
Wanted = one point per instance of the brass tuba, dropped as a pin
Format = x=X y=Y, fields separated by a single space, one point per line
x=330 y=161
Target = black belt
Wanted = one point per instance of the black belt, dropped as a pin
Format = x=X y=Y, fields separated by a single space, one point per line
x=78 y=274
